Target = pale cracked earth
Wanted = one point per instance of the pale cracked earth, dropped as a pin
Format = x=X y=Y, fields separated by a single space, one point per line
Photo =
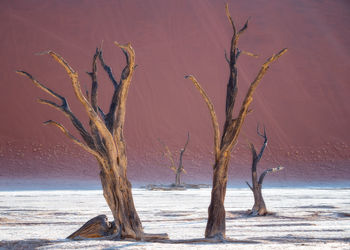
x=303 y=218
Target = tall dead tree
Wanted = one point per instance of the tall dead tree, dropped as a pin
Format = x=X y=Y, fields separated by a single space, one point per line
x=259 y=207
x=216 y=226
x=179 y=169
x=105 y=140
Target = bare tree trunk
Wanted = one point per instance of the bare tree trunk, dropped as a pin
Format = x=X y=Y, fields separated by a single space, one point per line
x=216 y=225
x=180 y=168
x=119 y=198
x=105 y=141
x=177 y=178
x=259 y=207
x=222 y=149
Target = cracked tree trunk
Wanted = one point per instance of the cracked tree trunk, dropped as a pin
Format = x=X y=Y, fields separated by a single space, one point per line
x=216 y=227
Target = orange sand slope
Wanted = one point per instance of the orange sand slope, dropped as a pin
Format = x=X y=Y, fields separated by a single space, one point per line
x=303 y=100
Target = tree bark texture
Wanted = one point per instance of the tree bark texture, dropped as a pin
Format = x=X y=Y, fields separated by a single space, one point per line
x=216 y=227
x=97 y=227
x=105 y=140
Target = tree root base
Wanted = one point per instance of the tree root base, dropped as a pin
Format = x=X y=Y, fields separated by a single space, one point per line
x=100 y=228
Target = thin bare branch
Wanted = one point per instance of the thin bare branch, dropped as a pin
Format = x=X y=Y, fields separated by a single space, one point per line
x=75 y=140
x=188 y=139
x=252 y=148
x=107 y=69
x=64 y=107
x=102 y=114
x=94 y=85
x=244 y=28
x=258 y=131
x=270 y=170
x=168 y=154
x=265 y=141
x=41 y=86
x=251 y=188
x=249 y=54
x=230 y=18
x=212 y=113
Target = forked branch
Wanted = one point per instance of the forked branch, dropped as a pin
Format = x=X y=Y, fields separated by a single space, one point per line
x=93 y=116
x=249 y=97
x=64 y=107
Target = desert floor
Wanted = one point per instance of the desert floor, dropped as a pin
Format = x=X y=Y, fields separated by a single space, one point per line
x=303 y=218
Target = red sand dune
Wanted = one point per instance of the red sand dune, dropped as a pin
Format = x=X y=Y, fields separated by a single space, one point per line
x=303 y=100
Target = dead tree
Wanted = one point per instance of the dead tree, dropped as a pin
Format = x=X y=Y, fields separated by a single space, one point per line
x=259 y=207
x=180 y=168
x=222 y=148
x=105 y=140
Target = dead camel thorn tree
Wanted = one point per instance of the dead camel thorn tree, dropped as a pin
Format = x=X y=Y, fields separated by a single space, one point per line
x=105 y=141
x=180 y=168
x=216 y=226
x=259 y=207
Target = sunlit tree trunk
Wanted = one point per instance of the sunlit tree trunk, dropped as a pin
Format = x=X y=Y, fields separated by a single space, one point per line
x=216 y=227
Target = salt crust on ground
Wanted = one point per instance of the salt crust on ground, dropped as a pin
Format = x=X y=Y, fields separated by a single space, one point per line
x=302 y=218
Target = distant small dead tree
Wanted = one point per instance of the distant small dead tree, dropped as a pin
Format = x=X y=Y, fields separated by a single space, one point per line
x=179 y=169
x=216 y=224
x=259 y=207
x=105 y=141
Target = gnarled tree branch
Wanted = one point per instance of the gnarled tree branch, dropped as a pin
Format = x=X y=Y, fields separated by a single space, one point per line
x=64 y=107
x=93 y=116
